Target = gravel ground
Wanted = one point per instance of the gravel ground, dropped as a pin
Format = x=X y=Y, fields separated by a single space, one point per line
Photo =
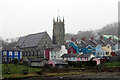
x=88 y=76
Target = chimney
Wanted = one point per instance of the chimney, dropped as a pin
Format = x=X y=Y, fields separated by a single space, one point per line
x=109 y=38
x=101 y=37
x=83 y=38
x=92 y=38
x=72 y=39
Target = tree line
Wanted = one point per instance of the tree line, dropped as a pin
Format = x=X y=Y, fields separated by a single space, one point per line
x=109 y=29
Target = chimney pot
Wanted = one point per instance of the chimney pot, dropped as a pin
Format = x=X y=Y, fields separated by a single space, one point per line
x=109 y=38
x=83 y=38
x=101 y=37
x=92 y=38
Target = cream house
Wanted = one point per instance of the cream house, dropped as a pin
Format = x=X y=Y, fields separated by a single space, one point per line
x=107 y=50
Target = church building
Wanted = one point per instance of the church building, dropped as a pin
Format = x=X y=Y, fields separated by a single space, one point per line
x=58 y=31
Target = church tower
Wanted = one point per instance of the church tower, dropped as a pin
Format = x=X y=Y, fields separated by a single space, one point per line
x=58 y=31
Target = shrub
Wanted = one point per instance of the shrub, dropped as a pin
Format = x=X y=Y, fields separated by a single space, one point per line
x=7 y=71
x=25 y=71
x=82 y=63
x=39 y=72
x=15 y=61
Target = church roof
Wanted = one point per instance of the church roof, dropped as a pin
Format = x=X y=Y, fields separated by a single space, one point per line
x=31 y=40
x=20 y=41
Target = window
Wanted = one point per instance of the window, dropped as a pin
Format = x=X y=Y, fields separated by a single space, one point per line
x=108 y=46
x=98 y=47
x=51 y=57
x=10 y=58
x=10 y=53
x=5 y=53
x=80 y=59
x=5 y=59
x=55 y=52
x=71 y=51
x=54 y=57
x=16 y=53
x=98 y=53
x=15 y=57
x=89 y=49
x=107 y=53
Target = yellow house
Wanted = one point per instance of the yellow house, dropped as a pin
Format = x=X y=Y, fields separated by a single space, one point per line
x=107 y=50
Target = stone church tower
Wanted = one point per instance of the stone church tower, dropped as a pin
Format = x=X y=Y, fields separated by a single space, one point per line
x=58 y=31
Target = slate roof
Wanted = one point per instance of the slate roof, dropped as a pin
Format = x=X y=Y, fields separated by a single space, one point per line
x=20 y=41
x=31 y=40
x=110 y=42
x=59 y=61
x=75 y=55
x=83 y=44
x=105 y=42
x=84 y=55
x=56 y=49
x=101 y=42
x=38 y=59
x=34 y=59
x=93 y=43
x=10 y=47
x=69 y=55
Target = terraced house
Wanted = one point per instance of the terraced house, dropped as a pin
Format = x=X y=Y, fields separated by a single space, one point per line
x=98 y=47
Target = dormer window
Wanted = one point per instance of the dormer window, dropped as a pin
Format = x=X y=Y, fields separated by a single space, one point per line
x=89 y=49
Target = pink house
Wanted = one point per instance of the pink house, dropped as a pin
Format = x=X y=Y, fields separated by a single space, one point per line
x=52 y=63
x=85 y=57
x=58 y=63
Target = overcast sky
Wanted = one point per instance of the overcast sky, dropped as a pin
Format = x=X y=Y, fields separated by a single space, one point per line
x=22 y=17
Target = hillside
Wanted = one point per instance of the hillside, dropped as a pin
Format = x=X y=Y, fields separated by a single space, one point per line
x=109 y=29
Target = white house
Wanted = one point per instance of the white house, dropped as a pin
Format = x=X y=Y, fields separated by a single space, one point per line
x=56 y=53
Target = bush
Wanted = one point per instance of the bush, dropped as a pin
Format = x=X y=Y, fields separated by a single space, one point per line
x=53 y=69
x=15 y=61
x=82 y=63
x=39 y=72
x=25 y=71
x=7 y=71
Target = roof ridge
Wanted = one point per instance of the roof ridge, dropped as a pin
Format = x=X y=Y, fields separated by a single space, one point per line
x=36 y=33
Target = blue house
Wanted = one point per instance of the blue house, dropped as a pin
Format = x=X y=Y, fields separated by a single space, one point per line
x=9 y=53
x=87 y=50
x=87 y=46
x=97 y=51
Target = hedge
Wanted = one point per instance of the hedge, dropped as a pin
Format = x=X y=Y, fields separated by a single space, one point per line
x=82 y=63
